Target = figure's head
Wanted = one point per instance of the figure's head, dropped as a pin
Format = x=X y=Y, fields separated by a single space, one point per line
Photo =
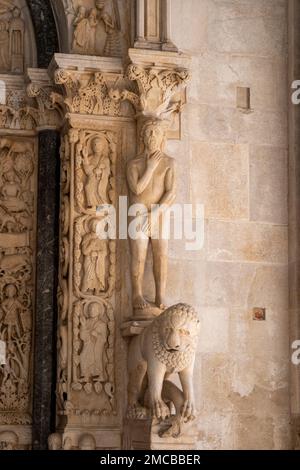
x=93 y=225
x=87 y=442
x=93 y=13
x=10 y=176
x=16 y=12
x=100 y=4
x=153 y=135
x=54 y=441
x=81 y=11
x=10 y=291
x=100 y=145
x=178 y=328
x=95 y=310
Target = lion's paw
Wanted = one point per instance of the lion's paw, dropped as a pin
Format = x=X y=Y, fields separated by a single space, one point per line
x=188 y=410
x=160 y=410
x=137 y=412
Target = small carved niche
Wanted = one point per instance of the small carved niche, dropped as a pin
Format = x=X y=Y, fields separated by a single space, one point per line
x=243 y=98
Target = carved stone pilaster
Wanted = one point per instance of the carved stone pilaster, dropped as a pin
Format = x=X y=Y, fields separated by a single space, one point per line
x=93 y=142
x=18 y=171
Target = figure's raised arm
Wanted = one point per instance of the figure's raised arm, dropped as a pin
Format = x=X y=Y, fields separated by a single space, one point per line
x=136 y=183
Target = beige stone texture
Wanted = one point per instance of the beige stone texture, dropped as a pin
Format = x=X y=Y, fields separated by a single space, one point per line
x=238 y=169
x=268 y=185
x=249 y=242
x=219 y=179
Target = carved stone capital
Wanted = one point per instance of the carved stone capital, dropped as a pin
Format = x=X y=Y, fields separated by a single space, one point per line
x=48 y=100
x=17 y=111
x=158 y=83
x=90 y=88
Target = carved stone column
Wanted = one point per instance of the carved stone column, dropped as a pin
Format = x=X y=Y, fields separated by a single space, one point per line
x=99 y=130
x=153 y=25
x=18 y=182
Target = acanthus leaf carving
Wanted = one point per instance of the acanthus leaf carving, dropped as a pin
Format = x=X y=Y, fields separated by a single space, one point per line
x=49 y=104
x=18 y=113
x=156 y=90
x=92 y=96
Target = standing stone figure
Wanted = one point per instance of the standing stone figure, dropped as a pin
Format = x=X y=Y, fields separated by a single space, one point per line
x=151 y=180
x=111 y=21
x=16 y=41
x=93 y=333
x=12 y=309
x=4 y=46
x=85 y=31
x=95 y=253
x=97 y=169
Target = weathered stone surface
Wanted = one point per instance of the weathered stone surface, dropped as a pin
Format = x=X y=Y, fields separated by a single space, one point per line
x=254 y=433
x=219 y=179
x=268 y=185
x=250 y=242
x=221 y=124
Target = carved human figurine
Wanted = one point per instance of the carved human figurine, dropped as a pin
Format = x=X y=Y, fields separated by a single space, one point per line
x=11 y=193
x=12 y=309
x=151 y=181
x=95 y=252
x=113 y=43
x=85 y=31
x=93 y=333
x=93 y=22
x=16 y=41
x=80 y=41
x=97 y=169
x=4 y=46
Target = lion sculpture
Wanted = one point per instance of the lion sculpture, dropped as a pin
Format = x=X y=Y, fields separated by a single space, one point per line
x=165 y=347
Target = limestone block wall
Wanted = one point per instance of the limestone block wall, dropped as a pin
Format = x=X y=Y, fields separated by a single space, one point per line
x=235 y=162
x=294 y=199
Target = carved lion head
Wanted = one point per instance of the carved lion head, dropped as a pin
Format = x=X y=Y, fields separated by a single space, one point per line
x=178 y=328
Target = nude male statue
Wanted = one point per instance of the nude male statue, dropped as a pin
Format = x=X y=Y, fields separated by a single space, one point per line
x=151 y=181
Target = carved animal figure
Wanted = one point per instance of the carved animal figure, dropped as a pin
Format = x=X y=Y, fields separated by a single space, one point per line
x=5 y=218
x=168 y=345
x=13 y=263
x=16 y=147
